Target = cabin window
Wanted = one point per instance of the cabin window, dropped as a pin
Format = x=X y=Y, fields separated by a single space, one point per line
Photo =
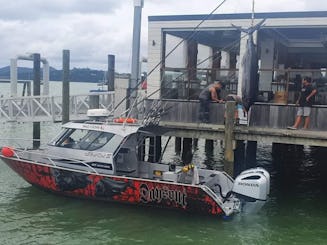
x=86 y=139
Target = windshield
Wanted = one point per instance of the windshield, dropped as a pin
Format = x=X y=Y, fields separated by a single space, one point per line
x=87 y=140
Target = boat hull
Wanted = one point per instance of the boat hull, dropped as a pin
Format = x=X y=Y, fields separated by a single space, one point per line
x=69 y=182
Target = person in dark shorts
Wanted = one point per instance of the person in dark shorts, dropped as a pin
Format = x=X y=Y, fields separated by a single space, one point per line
x=305 y=102
x=210 y=93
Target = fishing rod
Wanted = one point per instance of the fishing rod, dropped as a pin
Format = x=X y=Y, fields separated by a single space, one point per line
x=194 y=31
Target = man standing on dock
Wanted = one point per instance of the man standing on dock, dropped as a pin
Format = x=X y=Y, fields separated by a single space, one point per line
x=210 y=93
x=305 y=102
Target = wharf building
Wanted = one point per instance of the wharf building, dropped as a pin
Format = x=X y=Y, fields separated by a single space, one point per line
x=290 y=45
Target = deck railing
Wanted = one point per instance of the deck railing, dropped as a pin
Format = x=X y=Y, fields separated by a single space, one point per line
x=49 y=108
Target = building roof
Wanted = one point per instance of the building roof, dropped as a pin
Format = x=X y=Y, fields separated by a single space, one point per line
x=271 y=15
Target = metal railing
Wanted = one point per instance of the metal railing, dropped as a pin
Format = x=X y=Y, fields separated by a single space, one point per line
x=49 y=108
x=34 y=155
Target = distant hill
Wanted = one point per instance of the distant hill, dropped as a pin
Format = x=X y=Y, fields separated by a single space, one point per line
x=76 y=74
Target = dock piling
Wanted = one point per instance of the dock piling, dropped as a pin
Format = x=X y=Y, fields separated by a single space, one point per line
x=251 y=154
x=65 y=86
x=187 y=154
x=229 y=138
x=208 y=146
x=111 y=72
x=239 y=157
x=178 y=145
x=36 y=92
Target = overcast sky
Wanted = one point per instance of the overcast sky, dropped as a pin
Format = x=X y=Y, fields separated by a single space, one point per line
x=91 y=29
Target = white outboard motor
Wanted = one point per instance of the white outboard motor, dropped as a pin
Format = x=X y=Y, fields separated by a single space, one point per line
x=253 y=184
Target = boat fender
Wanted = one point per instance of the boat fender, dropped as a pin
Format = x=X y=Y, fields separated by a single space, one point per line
x=7 y=151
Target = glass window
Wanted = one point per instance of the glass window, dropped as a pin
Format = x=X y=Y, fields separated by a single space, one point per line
x=87 y=140
x=113 y=145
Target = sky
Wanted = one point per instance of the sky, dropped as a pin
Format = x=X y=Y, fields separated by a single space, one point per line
x=92 y=29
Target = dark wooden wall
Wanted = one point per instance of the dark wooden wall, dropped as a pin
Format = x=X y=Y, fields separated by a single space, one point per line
x=188 y=111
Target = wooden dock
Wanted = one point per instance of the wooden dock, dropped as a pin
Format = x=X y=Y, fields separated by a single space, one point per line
x=267 y=123
x=258 y=134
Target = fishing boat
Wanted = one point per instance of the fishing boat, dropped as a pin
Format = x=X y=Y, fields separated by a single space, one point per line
x=112 y=161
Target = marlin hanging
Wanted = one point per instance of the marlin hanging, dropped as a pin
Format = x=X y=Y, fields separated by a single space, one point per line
x=250 y=78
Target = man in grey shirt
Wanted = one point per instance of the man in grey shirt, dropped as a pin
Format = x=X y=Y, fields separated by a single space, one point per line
x=210 y=93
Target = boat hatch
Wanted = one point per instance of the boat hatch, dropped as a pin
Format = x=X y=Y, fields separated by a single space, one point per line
x=87 y=140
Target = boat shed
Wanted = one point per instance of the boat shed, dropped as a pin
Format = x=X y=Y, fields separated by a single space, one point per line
x=188 y=52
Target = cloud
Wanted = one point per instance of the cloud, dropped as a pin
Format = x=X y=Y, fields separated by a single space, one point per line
x=92 y=29
x=90 y=37
x=43 y=9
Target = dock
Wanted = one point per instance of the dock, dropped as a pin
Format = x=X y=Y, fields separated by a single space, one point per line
x=258 y=134
x=267 y=124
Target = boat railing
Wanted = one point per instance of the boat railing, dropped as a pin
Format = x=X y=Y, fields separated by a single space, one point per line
x=51 y=158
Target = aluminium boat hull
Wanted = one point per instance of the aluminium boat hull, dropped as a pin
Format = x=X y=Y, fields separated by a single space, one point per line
x=144 y=192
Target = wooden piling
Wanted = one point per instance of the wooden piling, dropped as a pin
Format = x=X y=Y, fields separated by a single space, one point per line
x=187 y=154
x=192 y=59
x=251 y=154
x=239 y=157
x=36 y=92
x=178 y=145
x=195 y=143
x=65 y=86
x=111 y=72
x=208 y=146
x=229 y=138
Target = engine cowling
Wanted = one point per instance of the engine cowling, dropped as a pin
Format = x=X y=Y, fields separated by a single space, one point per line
x=253 y=183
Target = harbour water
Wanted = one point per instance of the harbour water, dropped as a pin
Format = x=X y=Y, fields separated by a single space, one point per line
x=296 y=212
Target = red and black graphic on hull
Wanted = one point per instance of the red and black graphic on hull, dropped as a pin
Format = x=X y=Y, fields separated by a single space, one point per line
x=119 y=189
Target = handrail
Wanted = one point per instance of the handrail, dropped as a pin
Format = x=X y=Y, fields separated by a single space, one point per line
x=52 y=157
x=49 y=108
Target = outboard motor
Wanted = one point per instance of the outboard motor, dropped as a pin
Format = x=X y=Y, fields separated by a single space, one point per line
x=252 y=186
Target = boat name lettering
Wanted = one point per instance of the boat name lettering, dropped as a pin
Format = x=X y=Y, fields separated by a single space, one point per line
x=158 y=194
x=98 y=154
x=99 y=127
x=248 y=184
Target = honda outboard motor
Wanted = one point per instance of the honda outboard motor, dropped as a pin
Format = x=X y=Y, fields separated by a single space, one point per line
x=252 y=187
